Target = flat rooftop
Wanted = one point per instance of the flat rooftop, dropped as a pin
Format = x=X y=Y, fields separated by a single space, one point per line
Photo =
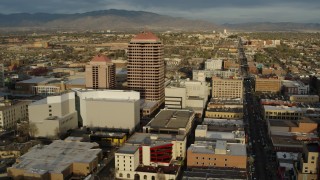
x=283 y=123
x=281 y=108
x=171 y=119
x=206 y=147
x=57 y=156
x=234 y=110
x=214 y=173
x=172 y=169
x=289 y=141
x=128 y=149
x=313 y=147
x=222 y=122
x=153 y=139
x=38 y=80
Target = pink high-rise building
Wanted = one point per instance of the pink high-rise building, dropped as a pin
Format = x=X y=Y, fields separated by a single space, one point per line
x=146 y=67
x=100 y=73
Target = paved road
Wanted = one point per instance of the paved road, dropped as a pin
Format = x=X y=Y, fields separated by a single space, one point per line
x=260 y=146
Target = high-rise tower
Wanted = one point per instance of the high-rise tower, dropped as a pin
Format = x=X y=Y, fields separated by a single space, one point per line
x=100 y=73
x=146 y=67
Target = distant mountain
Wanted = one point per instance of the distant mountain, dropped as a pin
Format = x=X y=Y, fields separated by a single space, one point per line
x=268 y=26
x=101 y=20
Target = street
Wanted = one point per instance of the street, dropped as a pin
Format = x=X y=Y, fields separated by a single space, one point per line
x=260 y=146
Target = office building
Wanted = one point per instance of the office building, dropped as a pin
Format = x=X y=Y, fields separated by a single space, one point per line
x=267 y=85
x=169 y=121
x=282 y=112
x=227 y=88
x=150 y=156
x=44 y=86
x=60 y=160
x=308 y=167
x=53 y=116
x=12 y=112
x=109 y=108
x=219 y=154
x=100 y=73
x=214 y=64
x=294 y=87
x=180 y=94
x=146 y=67
x=224 y=113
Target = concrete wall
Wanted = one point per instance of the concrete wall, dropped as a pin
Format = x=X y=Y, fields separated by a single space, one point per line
x=112 y=114
x=175 y=97
x=54 y=115
x=216 y=160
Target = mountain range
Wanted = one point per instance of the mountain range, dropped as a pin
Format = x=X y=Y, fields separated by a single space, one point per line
x=133 y=20
x=102 y=20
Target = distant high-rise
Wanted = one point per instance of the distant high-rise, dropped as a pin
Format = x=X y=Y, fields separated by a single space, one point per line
x=100 y=73
x=146 y=67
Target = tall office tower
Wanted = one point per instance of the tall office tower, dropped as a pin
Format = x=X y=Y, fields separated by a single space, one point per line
x=146 y=67
x=100 y=73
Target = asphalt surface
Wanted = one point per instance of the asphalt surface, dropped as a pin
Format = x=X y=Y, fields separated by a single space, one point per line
x=259 y=144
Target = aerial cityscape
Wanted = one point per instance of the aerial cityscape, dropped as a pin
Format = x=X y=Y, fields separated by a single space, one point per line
x=159 y=90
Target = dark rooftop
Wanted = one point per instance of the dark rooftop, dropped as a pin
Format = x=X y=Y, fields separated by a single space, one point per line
x=313 y=147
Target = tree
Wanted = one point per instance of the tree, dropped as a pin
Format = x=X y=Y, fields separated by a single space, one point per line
x=33 y=129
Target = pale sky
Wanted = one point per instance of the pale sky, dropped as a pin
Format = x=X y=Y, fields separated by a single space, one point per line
x=217 y=11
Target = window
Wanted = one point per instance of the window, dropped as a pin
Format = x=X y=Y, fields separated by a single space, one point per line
x=120 y=175
x=128 y=175
x=145 y=177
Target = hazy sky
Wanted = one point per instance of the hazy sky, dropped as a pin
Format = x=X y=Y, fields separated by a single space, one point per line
x=219 y=11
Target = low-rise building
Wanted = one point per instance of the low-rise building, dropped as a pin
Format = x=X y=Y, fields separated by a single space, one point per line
x=218 y=154
x=267 y=85
x=213 y=64
x=59 y=160
x=294 y=87
x=169 y=121
x=304 y=98
x=215 y=133
x=282 y=112
x=54 y=115
x=150 y=156
x=305 y=125
x=224 y=113
x=12 y=112
x=309 y=163
x=180 y=94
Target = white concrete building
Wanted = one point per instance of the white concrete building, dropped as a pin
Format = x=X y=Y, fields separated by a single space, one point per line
x=213 y=64
x=187 y=94
x=53 y=115
x=12 y=112
x=109 y=108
